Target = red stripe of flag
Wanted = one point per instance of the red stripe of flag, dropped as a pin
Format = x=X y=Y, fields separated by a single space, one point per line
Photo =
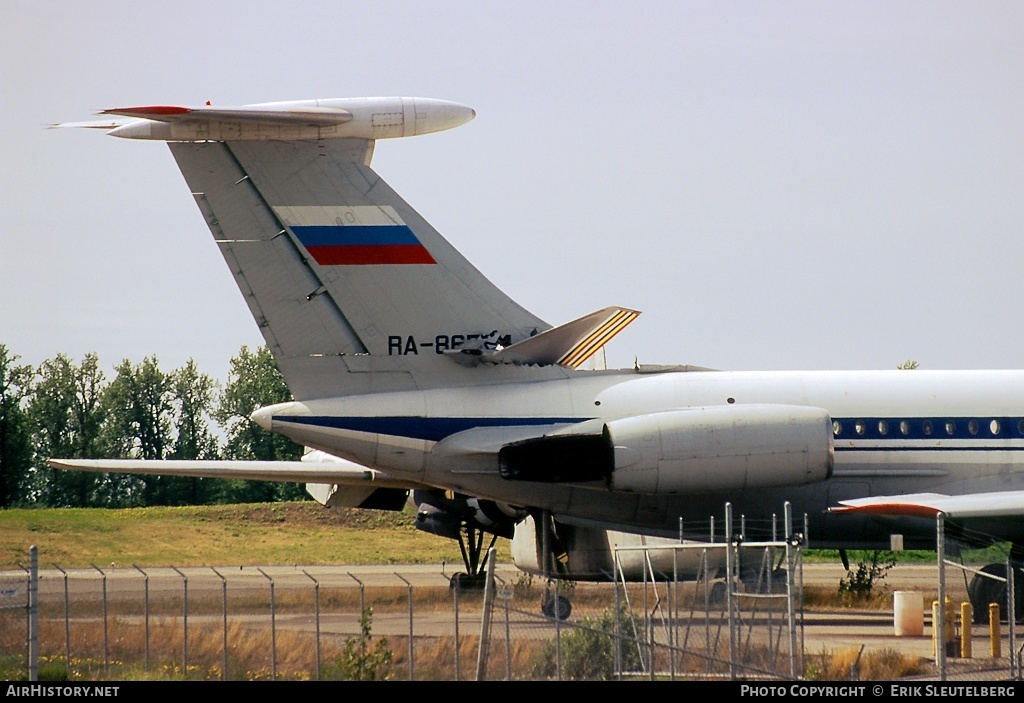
x=363 y=255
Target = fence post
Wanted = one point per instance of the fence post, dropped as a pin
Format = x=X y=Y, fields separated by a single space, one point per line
x=411 y=667
x=558 y=635
x=790 y=611
x=939 y=614
x=316 y=605
x=106 y=650
x=362 y=609
x=184 y=624
x=508 y=634
x=145 y=600
x=672 y=593
x=455 y=590
x=485 y=620
x=618 y=616
x=273 y=629
x=33 y=613
x=729 y=567
x=1011 y=607
x=224 y=600
x=67 y=619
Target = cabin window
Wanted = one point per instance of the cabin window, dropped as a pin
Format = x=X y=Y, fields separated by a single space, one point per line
x=1020 y=427
x=904 y=427
x=883 y=427
x=972 y=427
x=926 y=426
x=837 y=428
x=950 y=427
x=859 y=427
x=994 y=427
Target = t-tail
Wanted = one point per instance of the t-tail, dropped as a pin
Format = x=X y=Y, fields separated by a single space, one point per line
x=353 y=291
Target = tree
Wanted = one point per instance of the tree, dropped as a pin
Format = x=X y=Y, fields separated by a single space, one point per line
x=15 y=433
x=253 y=382
x=139 y=411
x=193 y=396
x=65 y=416
x=138 y=424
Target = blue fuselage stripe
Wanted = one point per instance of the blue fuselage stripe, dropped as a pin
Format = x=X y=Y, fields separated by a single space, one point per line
x=433 y=429
x=895 y=436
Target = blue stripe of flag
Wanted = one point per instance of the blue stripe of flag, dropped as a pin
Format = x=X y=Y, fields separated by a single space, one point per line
x=353 y=235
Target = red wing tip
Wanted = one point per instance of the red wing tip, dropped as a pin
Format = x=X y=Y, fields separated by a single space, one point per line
x=907 y=509
x=148 y=110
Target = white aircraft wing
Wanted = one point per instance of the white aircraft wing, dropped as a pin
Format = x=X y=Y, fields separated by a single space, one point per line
x=974 y=505
x=332 y=481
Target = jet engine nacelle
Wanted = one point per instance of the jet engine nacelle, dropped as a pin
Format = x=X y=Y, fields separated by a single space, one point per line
x=694 y=450
x=444 y=514
x=705 y=450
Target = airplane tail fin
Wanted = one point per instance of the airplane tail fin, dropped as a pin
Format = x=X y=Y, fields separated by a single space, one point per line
x=352 y=289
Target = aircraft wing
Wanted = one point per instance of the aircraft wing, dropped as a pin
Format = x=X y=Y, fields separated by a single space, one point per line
x=999 y=504
x=332 y=481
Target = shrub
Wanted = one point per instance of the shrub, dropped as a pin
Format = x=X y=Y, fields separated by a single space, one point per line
x=860 y=581
x=588 y=650
x=359 y=661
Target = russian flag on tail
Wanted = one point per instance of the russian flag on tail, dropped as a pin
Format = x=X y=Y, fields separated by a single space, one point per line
x=358 y=236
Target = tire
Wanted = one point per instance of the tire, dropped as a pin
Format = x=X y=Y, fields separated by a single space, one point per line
x=466 y=582
x=564 y=607
x=983 y=591
x=718 y=595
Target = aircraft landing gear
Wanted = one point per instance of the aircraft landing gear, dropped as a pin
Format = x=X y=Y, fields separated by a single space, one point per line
x=983 y=591
x=764 y=581
x=471 y=543
x=467 y=582
x=551 y=546
x=555 y=607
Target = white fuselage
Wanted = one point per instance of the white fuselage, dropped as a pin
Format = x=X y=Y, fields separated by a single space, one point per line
x=894 y=432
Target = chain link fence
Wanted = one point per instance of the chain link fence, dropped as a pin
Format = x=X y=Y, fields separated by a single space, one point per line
x=289 y=623
x=745 y=622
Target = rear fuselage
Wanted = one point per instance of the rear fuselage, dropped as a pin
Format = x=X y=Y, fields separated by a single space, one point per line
x=893 y=432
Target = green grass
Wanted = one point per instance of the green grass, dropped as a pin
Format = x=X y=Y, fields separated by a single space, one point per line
x=268 y=533
x=264 y=533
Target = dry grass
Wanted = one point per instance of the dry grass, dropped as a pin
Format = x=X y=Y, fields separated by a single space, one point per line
x=875 y=665
x=251 y=646
x=252 y=652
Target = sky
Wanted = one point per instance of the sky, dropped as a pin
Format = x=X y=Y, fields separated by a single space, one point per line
x=785 y=185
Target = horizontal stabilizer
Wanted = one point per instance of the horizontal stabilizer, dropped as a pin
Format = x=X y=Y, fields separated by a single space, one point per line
x=91 y=124
x=973 y=505
x=567 y=345
x=294 y=120
x=322 y=116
